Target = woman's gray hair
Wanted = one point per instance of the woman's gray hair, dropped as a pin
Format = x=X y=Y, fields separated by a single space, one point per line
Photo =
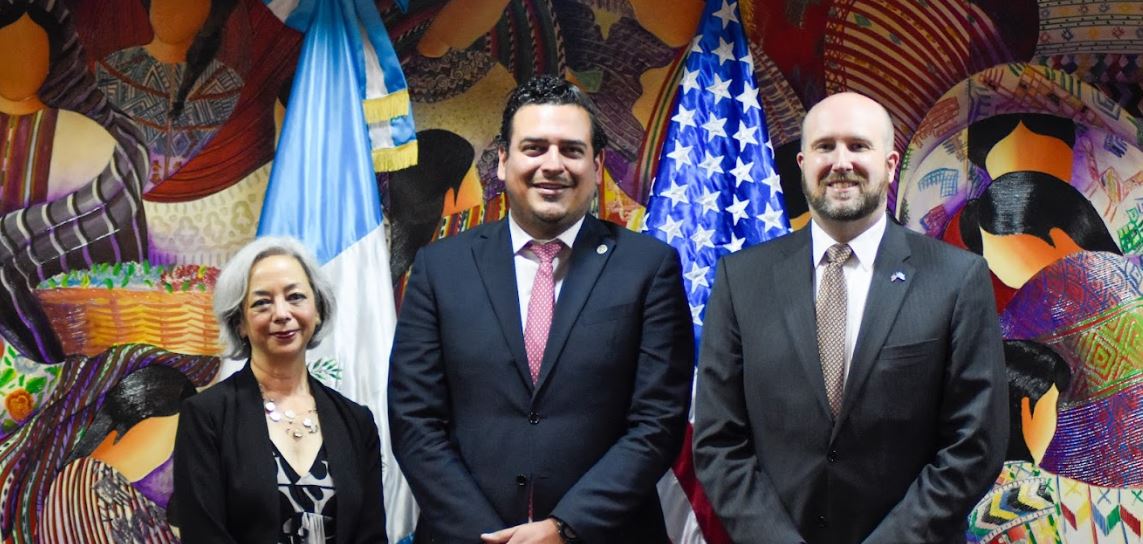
x=234 y=280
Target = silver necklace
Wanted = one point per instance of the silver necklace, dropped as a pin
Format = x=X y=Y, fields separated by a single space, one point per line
x=290 y=419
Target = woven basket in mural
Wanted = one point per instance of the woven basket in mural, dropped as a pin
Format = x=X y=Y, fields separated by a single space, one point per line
x=169 y=307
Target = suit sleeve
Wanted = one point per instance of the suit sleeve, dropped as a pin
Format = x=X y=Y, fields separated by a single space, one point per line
x=741 y=494
x=619 y=482
x=419 y=415
x=199 y=490
x=371 y=524
x=973 y=424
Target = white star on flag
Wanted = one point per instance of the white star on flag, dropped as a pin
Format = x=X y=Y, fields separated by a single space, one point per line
x=696 y=313
x=725 y=51
x=672 y=229
x=727 y=13
x=738 y=210
x=746 y=135
x=720 y=89
x=714 y=127
x=748 y=97
x=709 y=201
x=685 y=117
x=774 y=182
x=697 y=276
x=741 y=171
x=690 y=80
x=677 y=194
x=748 y=60
x=702 y=238
x=772 y=218
x=735 y=243
x=711 y=163
x=681 y=155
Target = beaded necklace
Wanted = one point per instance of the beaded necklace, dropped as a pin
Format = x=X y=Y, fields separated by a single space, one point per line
x=289 y=418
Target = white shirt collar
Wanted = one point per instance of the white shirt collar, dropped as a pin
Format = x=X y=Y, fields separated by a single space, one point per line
x=521 y=238
x=864 y=246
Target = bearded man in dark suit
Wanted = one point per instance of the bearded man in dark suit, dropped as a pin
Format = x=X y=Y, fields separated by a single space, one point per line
x=851 y=381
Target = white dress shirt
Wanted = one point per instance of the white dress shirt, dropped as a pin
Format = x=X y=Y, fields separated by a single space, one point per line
x=527 y=263
x=858 y=272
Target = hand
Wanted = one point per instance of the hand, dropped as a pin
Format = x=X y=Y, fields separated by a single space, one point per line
x=537 y=532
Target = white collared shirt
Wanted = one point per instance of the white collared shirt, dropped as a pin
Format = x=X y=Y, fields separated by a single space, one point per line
x=527 y=263
x=858 y=273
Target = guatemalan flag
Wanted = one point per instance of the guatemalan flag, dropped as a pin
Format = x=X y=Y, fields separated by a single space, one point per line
x=716 y=191
x=348 y=113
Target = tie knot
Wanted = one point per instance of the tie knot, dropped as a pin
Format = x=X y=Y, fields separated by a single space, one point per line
x=547 y=250
x=839 y=253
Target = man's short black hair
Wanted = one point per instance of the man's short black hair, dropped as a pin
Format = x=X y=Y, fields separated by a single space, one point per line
x=549 y=89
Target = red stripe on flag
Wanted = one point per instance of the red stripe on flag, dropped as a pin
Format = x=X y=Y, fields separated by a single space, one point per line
x=712 y=529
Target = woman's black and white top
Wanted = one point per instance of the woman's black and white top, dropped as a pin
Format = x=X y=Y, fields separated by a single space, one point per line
x=308 y=502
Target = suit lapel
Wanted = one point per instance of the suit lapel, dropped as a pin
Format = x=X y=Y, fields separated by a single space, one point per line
x=794 y=285
x=585 y=265
x=881 y=306
x=494 y=260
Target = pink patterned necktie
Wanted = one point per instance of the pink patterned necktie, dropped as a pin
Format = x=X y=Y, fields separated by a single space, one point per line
x=540 y=305
x=831 y=309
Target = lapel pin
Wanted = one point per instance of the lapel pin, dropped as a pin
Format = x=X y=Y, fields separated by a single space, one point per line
x=601 y=249
x=897 y=276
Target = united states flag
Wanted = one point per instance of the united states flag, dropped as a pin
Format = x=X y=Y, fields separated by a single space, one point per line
x=716 y=191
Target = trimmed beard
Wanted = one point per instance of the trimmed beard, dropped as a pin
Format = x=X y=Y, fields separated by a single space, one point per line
x=871 y=201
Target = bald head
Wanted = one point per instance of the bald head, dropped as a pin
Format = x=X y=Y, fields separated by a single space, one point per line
x=850 y=101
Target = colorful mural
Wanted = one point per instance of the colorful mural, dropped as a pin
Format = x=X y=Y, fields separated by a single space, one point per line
x=137 y=136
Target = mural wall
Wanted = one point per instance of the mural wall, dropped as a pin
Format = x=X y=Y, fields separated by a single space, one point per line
x=136 y=139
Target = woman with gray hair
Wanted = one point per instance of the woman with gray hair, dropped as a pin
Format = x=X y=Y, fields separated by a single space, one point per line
x=270 y=454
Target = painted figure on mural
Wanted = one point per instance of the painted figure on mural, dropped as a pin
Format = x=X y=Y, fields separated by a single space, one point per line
x=175 y=88
x=92 y=464
x=30 y=131
x=271 y=454
x=70 y=182
x=123 y=458
x=1064 y=282
x=1028 y=503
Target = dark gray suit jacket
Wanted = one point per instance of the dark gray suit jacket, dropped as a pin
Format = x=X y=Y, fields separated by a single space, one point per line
x=923 y=426
x=475 y=438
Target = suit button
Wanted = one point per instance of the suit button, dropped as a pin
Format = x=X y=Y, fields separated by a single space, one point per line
x=822 y=522
x=521 y=480
x=533 y=418
x=832 y=456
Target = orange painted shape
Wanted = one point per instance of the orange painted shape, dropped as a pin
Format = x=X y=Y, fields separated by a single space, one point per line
x=142 y=449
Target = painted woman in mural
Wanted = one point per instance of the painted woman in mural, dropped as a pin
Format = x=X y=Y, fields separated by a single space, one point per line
x=70 y=186
x=116 y=483
x=174 y=87
x=1024 y=502
x=30 y=130
x=1073 y=289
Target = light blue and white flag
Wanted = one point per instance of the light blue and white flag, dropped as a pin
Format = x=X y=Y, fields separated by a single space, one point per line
x=323 y=190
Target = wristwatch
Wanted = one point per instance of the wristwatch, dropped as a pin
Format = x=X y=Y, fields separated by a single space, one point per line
x=566 y=533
